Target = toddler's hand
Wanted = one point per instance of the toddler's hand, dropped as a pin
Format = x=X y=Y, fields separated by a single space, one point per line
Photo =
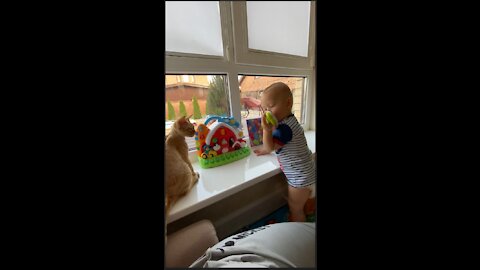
x=260 y=152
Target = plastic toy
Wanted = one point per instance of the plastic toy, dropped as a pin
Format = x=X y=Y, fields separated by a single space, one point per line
x=255 y=131
x=271 y=119
x=220 y=142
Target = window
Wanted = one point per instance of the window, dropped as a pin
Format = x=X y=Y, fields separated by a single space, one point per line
x=251 y=88
x=208 y=95
x=284 y=38
x=284 y=31
x=193 y=27
x=221 y=48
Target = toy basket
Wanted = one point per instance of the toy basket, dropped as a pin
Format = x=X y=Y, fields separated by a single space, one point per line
x=220 y=142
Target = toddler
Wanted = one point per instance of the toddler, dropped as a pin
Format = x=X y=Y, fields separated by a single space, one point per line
x=288 y=141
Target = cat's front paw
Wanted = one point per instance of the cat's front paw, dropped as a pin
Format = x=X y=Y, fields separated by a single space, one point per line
x=196 y=176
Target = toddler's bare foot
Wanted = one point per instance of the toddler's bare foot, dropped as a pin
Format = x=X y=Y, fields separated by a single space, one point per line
x=299 y=217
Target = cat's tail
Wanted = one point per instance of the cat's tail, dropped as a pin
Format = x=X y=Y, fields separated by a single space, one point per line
x=168 y=205
x=169 y=201
x=167 y=212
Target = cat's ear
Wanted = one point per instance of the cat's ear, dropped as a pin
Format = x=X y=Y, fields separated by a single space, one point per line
x=182 y=119
x=190 y=116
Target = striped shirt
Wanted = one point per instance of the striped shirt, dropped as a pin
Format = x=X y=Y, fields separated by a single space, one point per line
x=294 y=156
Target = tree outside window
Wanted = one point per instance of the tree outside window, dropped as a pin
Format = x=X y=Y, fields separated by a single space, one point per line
x=217 y=100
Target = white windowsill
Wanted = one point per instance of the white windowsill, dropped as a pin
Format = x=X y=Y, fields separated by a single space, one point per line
x=220 y=182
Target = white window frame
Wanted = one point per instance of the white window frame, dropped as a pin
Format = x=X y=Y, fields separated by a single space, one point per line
x=237 y=61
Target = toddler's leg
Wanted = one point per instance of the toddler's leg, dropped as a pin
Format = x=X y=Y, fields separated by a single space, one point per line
x=297 y=197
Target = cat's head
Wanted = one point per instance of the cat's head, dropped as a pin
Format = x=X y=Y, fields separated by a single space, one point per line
x=184 y=127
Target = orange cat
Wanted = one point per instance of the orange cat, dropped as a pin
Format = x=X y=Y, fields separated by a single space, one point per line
x=179 y=174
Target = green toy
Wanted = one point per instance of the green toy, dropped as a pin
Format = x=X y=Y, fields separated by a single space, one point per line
x=271 y=118
x=223 y=159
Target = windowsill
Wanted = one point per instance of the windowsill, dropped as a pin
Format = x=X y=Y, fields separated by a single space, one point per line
x=218 y=183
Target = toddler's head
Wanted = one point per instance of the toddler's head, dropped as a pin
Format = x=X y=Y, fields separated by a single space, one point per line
x=278 y=99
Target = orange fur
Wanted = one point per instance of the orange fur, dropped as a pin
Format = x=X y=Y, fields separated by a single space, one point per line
x=179 y=174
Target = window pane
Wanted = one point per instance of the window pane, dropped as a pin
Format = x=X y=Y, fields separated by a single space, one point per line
x=277 y=26
x=193 y=27
x=251 y=88
x=198 y=96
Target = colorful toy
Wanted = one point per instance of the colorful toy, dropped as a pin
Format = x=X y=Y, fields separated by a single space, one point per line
x=271 y=119
x=255 y=131
x=220 y=142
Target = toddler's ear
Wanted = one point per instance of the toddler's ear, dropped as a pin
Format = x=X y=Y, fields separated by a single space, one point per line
x=290 y=101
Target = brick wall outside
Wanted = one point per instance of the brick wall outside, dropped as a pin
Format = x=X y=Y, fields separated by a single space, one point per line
x=185 y=93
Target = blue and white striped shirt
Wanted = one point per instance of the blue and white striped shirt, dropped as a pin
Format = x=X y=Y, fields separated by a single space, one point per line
x=295 y=157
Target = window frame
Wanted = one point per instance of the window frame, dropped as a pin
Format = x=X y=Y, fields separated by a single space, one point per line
x=235 y=62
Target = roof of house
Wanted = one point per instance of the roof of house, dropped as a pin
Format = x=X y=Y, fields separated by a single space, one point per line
x=180 y=84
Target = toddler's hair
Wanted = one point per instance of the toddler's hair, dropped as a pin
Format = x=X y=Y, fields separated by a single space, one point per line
x=278 y=85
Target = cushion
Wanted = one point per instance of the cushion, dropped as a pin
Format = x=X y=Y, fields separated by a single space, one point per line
x=288 y=244
x=186 y=245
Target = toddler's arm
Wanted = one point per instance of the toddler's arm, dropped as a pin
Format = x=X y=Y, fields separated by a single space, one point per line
x=268 y=143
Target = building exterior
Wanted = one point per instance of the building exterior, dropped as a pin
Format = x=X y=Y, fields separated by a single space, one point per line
x=184 y=88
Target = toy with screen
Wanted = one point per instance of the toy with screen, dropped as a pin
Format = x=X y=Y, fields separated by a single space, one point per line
x=255 y=131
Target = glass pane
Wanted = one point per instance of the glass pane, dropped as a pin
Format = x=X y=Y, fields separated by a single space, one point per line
x=193 y=27
x=251 y=88
x=199 y=95
x=277 y=26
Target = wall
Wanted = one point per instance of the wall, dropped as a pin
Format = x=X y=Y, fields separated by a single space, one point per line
x=185 y=93
x=239 y=210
